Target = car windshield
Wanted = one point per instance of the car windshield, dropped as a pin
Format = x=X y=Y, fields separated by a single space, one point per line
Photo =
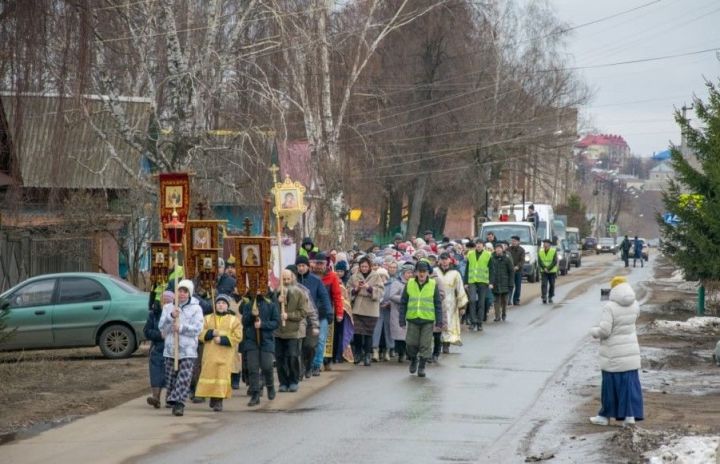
x=542 y=226
x=504 y=232
x=124 y=286
x=606 y=241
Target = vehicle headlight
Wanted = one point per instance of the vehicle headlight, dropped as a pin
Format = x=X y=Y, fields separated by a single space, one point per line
x=560 y=256
x=527 y=258
x=598 y=247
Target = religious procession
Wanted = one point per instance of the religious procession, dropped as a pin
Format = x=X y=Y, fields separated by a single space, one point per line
x=219 y=325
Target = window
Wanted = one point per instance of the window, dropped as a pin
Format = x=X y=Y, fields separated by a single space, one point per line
x=124 y=286
x=34 y=294
x=79 y=290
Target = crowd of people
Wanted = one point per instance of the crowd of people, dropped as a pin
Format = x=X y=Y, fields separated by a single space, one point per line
x=406 y=302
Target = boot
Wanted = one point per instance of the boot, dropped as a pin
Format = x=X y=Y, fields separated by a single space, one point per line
x=401 y=358
x=386 y=356
x=421 y=368
x=154 y=400
x=504 y=315
x=218 y=405
x=235 y=381
x=368 y=358
x=375 y=355
x=435 y=358
x=178 y=409
x=392 y=353
x=413 y=364
x=255 y=400
x=271 y=392
x=446 y=348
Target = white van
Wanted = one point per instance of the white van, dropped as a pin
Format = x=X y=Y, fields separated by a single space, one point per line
x=546 y=216
x=528 y=240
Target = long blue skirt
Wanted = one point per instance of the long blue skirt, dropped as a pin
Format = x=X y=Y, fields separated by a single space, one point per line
x=621 y=395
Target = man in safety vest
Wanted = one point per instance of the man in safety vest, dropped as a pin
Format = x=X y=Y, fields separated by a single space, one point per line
x=420 y=310
x=548 y=261
x=476 y=279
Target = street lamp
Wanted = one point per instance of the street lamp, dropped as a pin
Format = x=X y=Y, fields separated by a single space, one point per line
x=175 y=231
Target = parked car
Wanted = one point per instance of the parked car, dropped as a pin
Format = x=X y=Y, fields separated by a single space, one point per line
x=575 y=255
x=76 y=309
x=563 y=255
x=606 y=245
x=589 y=243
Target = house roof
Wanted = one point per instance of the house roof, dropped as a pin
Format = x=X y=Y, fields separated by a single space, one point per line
x=661 y=155
x=602 y=139
x=64 y=150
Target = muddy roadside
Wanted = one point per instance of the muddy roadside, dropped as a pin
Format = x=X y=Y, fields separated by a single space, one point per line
x=41 y=389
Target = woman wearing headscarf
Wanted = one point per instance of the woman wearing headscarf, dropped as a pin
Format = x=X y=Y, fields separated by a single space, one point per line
x=621 y=393
x=397 y=332
x=152 y=332
x=366 y=290
x=344 y=330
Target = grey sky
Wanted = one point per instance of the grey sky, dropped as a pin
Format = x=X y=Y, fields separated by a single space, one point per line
x=664 y=28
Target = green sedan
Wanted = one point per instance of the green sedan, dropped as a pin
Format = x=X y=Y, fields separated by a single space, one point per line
x=76 y=309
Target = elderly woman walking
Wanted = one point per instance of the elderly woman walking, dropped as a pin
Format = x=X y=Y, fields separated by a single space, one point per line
x=366 y=290
x=621 y=393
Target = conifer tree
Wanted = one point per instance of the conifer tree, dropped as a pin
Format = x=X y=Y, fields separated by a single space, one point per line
x=693 y=241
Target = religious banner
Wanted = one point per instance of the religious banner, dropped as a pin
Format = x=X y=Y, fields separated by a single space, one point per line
x=203 y=235
x=174 y=195
x=289 y=200
x=206 y=262
x=159 y=261
x=253 y=262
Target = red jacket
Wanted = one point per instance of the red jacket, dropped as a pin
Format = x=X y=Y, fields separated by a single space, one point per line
x=332 y=283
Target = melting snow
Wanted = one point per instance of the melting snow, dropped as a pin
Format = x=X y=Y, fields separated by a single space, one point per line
x=687 y=450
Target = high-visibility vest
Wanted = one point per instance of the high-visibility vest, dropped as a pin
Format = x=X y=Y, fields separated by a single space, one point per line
x=421 y=302
x=304 y=252
x=547 y=259
x=479 y=267
x=171 y=278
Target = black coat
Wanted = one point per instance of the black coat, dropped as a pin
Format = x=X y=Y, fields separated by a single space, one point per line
x=269 y=319
x=152 y=331
x=502 y=277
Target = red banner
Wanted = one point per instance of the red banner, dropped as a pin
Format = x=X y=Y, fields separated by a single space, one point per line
x=174 y=194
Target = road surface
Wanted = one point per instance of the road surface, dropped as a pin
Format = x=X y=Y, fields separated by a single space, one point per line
x=462 y=412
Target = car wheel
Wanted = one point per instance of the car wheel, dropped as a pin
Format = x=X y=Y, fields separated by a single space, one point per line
x=531 y=277
x=579 y=262
x=117 y=341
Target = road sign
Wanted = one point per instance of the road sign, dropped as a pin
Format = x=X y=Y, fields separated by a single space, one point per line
x=612 y=228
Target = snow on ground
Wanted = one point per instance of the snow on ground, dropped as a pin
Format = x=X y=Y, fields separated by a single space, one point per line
x=687 y=450
x=694 y=325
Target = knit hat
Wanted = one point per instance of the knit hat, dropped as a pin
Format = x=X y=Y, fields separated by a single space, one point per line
x=422 y=266
x=168 y=294
x=302 y=260
x=188 y=285
x=223 y=297
x=444 y=255
x=407 y=267
x=341 y=266
x=617 y=280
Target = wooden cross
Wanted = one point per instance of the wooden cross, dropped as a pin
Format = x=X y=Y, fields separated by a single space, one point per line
x=247 y=225
x=200 y=208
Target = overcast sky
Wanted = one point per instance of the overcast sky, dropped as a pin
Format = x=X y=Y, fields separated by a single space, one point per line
x=637 y=100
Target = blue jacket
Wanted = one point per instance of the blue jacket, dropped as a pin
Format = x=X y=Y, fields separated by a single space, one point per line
x=270 y=321
x=152 y=331
x=319 y=294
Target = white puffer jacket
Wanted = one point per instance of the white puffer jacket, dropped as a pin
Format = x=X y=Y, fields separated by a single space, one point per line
x=619 y=349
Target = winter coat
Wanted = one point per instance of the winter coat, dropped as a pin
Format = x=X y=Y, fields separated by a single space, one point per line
x=191 y=324
x=502 y=276
x=296 y=309
x=517 y=253
x=619 y=348
x=269 y=322
x=318 y=293
x=226 y=285
x=367 y=302
x=437 y=302
x=332 y=285
x=152 y=330
x=395 y=293
x=311 y=320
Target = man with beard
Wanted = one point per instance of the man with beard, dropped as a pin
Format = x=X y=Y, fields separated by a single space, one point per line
x=454 y=302
x=321 y=300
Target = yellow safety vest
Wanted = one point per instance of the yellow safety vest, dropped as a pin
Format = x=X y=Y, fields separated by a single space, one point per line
x=479 y=267
x=171 y=278
x=547 y=259
x=421 y=302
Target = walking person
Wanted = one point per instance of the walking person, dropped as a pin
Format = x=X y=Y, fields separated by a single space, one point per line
x=382 y=328
x=517 y=253
x=260 y=318
x=321 y=300
x=187 y=321
x=344 y=330
x=454 y=302
x=501 y=280
x=287 y=336
x=477 y=279
x=621 y=393
x=637 y=252
x=547 y=259
x=221 y=335
x=420 y=311
x=156 y=358
x=397 y=288
x=332 y=284
x=366 y=291
x=625 y=250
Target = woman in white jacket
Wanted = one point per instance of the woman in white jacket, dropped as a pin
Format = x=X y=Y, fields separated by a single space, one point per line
x=621 y=393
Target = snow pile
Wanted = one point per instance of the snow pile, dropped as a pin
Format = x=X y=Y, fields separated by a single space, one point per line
x=694 y=325
x=687 y=450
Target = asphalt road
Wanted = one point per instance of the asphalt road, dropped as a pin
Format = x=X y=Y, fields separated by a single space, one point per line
x=462 y=412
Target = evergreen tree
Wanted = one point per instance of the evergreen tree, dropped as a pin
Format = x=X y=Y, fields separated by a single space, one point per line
x=693 y=244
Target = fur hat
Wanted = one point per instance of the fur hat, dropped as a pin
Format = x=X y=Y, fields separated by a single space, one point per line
x=187 y=284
